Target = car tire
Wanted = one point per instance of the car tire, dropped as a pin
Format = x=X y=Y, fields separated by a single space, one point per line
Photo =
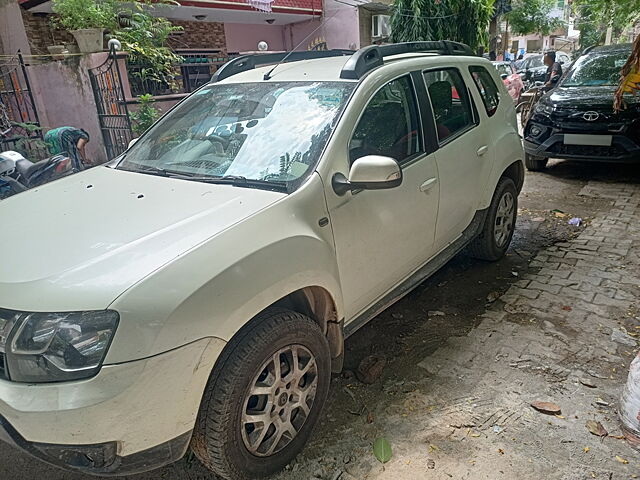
x=237 y=446
x=535 y=164
x=497 y=231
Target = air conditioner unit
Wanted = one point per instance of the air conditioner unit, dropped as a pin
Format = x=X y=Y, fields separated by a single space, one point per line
x=380 y=26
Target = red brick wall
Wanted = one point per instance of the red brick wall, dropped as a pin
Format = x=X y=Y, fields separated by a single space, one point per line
x=199 y=35
x=41 y=34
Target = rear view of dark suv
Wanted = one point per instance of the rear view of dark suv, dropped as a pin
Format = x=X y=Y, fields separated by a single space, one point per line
x=576 y=120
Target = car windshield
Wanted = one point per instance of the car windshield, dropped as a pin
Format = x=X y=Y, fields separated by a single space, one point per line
x=260 y=135
x=596 y=70
x=532 y=62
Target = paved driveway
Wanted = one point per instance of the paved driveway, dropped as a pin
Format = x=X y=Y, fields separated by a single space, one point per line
x=454 y=398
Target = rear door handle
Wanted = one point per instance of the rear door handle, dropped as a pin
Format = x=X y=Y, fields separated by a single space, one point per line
x=428 y=185
x=482 y=150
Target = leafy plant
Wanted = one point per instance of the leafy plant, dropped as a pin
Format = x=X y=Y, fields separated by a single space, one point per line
x=144 y=37
x=78 y=14
x=145 y=116
x=460 y=20
x=533 y=16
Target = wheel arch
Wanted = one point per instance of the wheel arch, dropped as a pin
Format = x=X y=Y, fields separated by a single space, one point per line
x=515 y=172
x=317 y=303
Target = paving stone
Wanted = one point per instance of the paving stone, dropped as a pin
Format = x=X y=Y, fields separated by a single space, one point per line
x=601 y=299
x=573 y=293
x=580 y=277
x=535 y=285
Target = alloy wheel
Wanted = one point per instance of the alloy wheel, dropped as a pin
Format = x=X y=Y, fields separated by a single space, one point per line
x=279 y=400
x=505 y=216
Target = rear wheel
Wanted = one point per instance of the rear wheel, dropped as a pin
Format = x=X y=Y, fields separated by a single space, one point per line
x=264 y=398
x=535 y=164
x=499 y=224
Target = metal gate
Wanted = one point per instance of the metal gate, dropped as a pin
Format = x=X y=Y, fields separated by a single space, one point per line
x=113 y=114
x=19 y=123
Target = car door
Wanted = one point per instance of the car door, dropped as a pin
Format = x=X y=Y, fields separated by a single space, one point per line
x=463 y=151
x=382 y=236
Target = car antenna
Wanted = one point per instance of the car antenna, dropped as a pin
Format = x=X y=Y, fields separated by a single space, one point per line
x=267 y=76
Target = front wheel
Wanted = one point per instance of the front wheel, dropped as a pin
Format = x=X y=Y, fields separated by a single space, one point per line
x=264 y=396
x=535 y=164
x=499 y=224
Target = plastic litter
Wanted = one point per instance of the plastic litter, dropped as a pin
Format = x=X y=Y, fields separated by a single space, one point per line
x=497 y=429
x=575 y=221
x=629 y=410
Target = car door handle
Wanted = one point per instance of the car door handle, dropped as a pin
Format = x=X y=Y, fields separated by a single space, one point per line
x=427 y=185
x=482 y=150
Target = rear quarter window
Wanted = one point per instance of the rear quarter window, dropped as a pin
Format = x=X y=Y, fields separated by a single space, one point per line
x=487 y=88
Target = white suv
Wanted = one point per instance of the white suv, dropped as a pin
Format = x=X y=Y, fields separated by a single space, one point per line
x=197 y=290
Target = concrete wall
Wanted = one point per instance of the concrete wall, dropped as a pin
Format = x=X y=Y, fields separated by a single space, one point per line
x=63 y=96
x=244 y=38
x=12 y=33
x=341 y=25
x=301 y=35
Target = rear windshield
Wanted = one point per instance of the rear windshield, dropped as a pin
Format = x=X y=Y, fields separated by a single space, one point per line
x=532 y=62
x=596 y=69
x=267 y=132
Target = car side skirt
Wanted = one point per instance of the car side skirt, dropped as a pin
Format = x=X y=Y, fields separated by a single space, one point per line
x=427 y=270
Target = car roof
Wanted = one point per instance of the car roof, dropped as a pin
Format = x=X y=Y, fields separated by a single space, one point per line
x=323 y=69
x=618 y=47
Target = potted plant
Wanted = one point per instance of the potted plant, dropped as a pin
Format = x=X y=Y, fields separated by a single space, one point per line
x=86 y=20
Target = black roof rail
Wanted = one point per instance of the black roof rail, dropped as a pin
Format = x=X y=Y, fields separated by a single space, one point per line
x=249 y=62
x=371 y=57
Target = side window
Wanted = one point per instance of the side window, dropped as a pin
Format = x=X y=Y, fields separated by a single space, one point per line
x=389 y=124
x=487 y=88
x=449 y=101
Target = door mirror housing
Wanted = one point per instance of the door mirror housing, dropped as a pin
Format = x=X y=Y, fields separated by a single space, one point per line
x=133 y=140
x=371 y=172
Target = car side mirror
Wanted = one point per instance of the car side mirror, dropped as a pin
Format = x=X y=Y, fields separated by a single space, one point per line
x=133 y=140
x=371 y=172
x=504 y=76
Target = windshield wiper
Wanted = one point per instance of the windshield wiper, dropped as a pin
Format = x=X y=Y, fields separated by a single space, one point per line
x=235 y=180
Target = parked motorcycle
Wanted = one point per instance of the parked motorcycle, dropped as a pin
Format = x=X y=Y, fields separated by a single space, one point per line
x=18 y=174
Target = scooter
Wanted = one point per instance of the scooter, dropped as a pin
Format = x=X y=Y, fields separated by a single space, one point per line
x=18 y=174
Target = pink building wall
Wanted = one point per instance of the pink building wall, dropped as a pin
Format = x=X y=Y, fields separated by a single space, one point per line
x=244 y=37
x=63 y=96
x=12 y=33
x=341 y=25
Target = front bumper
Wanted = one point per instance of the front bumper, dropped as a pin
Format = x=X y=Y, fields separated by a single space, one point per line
x=129 y=418
x=622 y=150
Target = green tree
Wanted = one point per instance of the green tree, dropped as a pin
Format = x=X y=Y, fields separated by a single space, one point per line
x=594 y=16
x=533 y=16
x=459 y=20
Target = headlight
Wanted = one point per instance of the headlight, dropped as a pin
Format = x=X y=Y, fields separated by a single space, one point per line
x=543 y=109
x=54 y=347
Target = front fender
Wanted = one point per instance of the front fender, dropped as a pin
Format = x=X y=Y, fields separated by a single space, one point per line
x=213 y=290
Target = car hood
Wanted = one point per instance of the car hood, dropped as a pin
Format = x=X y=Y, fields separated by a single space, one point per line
x=583 y=97
x=79 y=242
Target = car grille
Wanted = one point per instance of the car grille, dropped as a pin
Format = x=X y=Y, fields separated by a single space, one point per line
x=3 y=368
x=587 y=150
